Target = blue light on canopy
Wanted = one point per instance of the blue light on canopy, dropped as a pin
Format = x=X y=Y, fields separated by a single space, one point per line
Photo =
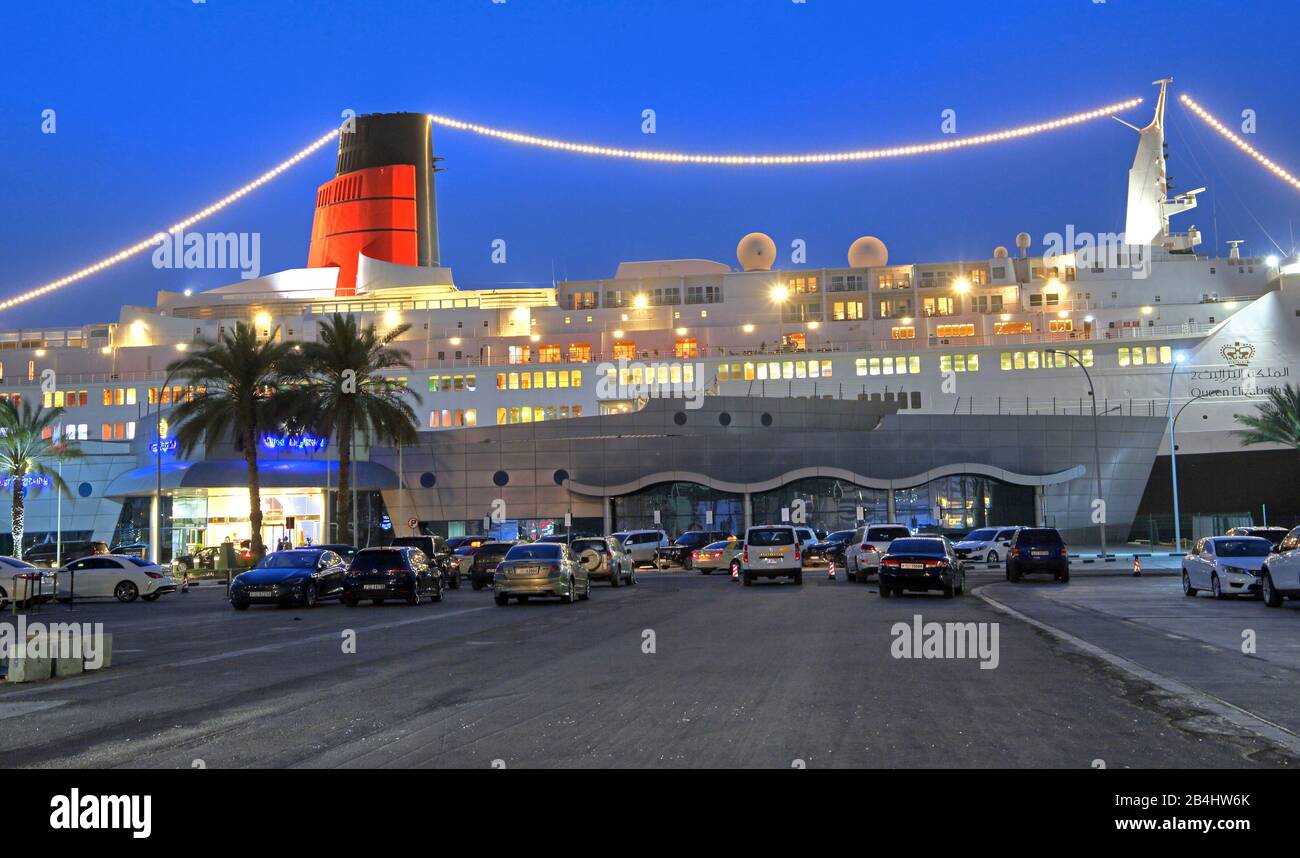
x=168 y=445
x=309 y=443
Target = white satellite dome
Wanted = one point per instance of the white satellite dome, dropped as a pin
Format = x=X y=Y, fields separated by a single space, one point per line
x=1023 y=240
x=999 y=252
x=868 y=252
x=756 y=252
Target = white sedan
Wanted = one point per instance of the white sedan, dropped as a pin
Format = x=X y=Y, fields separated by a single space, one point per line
x=120 y=576
x=1225 y=565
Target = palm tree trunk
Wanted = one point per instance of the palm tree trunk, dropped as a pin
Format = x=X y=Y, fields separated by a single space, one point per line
x=345 y=478
x=254 y=494
x=18 y=514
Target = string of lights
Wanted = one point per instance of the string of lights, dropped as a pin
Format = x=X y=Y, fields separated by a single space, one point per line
x=152 y=241
x=783 y=160
x=586 y=149
x=1218 y=126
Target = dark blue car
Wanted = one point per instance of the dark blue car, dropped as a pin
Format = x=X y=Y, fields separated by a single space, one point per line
x=298 y=576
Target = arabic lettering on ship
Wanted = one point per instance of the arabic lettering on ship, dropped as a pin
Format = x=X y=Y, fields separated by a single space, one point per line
x=1237 y=381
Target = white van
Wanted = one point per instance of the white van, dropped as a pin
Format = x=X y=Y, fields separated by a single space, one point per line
x=771 y=551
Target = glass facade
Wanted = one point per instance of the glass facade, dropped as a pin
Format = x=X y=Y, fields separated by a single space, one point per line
x=681 y=506
x=957 y=504
x=831 y=503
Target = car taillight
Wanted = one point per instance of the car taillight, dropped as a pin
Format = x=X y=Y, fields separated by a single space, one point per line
x=695 y=555
x=153 y=574
x=796 y=551
x=934 y=563
x=867 y=546
x=744 y=555
x=890 y=561
x=1064 y=553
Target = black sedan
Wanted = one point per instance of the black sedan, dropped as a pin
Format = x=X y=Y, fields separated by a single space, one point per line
x=828 y=549
x=921 y=564
x=296 y=576
x=396 y=572
x=679 y=553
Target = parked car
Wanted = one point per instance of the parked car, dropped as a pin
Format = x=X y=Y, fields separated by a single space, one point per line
x=44 y=553
x=1225 y=565
x=604 y=559
x=1281 y=571
x=642 y=545
x=807 y=539
x=985 y=544
x=395 y=572
x=723 y=554
x=120 y=576
x=438 y=553
x=541 y=569
x=299 y=576
x=342 y=549
x=679 y=553
x=771 y=551
x=1038 y=549
x=456 y=543
x=206 y=560
x=869 y=544
x=483 y=567
x=921 y=563
x=133 y=549
x=24 y=583
x=1274 y=535
x=824 y=550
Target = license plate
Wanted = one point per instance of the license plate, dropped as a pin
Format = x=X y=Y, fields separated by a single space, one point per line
x=1039 y=553
x=771 y=556
x=525 y=571
x=913 y=565
x=376 y=586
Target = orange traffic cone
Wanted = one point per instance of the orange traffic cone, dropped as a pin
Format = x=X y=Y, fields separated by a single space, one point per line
x=735 y=573
x=1137 y=567
x=830 y=573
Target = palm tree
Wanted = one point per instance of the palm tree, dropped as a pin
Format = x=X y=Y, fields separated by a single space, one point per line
x=241 y=383
x=1277 y=420
x=26 y=451
x=350 y=398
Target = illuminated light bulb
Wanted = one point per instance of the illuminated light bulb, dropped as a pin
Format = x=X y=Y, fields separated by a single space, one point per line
x=455 y=341
x=640 y=302
x=749 y=329
x=780 y=293
x=812 y=326
x=681 y=332
x=263 y=320
x=392 y=318
x=961 y=285
x=781 y=160
x=618 y=334
x=1205 y=116
x=536 y=338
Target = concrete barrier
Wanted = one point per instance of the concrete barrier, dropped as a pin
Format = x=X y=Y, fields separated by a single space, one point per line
x=105 y=653
x=28 y=669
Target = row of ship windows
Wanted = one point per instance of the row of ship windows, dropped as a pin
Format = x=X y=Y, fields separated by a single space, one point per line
x=122 y=431
x=115 y=396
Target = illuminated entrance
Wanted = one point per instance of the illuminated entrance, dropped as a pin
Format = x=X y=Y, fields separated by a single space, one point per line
x=212 y=516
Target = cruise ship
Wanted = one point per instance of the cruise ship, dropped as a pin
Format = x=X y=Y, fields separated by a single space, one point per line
x=1148 y=320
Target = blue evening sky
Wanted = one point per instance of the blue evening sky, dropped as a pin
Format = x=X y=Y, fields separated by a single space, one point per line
x=164 y=105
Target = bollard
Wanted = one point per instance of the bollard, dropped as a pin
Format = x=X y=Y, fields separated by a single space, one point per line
x=1137 y=567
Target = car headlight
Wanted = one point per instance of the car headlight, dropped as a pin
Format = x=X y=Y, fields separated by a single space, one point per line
x=1237 y=570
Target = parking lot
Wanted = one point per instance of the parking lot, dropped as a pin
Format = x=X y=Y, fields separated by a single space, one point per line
x=680 y=670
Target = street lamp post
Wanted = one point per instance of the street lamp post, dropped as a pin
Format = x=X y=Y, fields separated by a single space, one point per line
x=155 y=550
x=1173 y=454
x=1096 y=442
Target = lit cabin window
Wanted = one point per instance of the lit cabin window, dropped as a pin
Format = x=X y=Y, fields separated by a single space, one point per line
x=624 y=350
x=1004 y=328
x=686 y=347
x=903 y=332
x=548 y=353
x=580 y=353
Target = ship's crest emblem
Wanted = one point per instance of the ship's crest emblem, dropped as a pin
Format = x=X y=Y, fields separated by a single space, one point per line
x=1238 y=354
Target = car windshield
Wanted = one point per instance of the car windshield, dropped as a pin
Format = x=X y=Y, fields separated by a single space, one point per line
x=1038 y=536
x=580 y=545
x=376 y=561
x=984 y=534
x=536 y=551
x=774 y=536
x=840 y=536
x=887 y=534
x=1248 y=547
x=288 y=560
x=917 y=546
x=490 y=549
x=1006 y=534
x=690 y=538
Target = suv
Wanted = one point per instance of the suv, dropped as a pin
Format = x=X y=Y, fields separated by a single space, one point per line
x=483 y=562
x=1274 y=535
x=43 y=554
x=771 y=551
x=437 y=552
x=868 y=545
x=396 y=572
x=679 y=553
x=985 y=545
x=642 y=545
x=1038 y=549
